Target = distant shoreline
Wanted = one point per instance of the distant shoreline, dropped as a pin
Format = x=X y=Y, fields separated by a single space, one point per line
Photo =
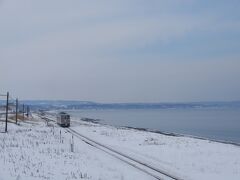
x=83 y=105
x=98 y=121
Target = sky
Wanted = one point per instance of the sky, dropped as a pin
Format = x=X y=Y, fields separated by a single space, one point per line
x=120 y=51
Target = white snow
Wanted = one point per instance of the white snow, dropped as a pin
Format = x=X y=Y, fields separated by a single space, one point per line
x=36 y=151
x=186 y=157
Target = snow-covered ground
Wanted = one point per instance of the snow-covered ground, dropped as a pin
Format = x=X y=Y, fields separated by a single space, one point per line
x=36 y=151
x=186 y=157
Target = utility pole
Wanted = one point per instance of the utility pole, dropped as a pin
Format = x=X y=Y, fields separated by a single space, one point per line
x=28 y=110
x=6 y=112
x=23 y=111
x=16 y=110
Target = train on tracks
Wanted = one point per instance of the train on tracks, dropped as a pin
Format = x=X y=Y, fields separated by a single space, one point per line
x=63 y=119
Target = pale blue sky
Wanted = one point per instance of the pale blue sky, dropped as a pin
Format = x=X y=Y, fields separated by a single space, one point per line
x=121 y=51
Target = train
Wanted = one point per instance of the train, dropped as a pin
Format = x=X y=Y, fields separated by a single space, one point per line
x=63 y=119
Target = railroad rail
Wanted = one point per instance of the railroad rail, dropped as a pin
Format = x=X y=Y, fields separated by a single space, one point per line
x=138 y=164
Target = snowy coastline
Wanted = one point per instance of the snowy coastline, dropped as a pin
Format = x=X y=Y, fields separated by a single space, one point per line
x=98 y=121
x=35 y=151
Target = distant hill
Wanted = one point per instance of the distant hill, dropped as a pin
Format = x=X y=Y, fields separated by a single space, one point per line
x=61 y=104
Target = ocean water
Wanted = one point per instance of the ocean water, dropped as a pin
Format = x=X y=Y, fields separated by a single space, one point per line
x=212 y=123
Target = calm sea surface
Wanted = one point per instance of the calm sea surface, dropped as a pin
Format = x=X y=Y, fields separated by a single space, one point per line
x=218 y=124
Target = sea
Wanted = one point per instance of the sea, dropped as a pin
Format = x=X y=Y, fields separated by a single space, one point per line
x=214 y=123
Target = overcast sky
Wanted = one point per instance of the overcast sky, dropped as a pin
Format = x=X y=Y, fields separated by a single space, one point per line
x=121 y=51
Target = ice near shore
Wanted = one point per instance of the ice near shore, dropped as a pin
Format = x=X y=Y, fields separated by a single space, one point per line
x=33 y=150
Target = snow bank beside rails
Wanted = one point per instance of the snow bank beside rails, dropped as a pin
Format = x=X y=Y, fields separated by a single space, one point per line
x=191 y=158
x=30 y=151
x=33 y=150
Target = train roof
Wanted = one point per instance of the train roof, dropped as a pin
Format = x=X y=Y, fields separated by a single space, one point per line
x=63 y=113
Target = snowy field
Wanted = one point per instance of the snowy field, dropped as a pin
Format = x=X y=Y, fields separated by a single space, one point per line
x=185 y=157
x=33 y=150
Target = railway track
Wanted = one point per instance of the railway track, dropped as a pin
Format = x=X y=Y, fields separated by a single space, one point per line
x=138 y=164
